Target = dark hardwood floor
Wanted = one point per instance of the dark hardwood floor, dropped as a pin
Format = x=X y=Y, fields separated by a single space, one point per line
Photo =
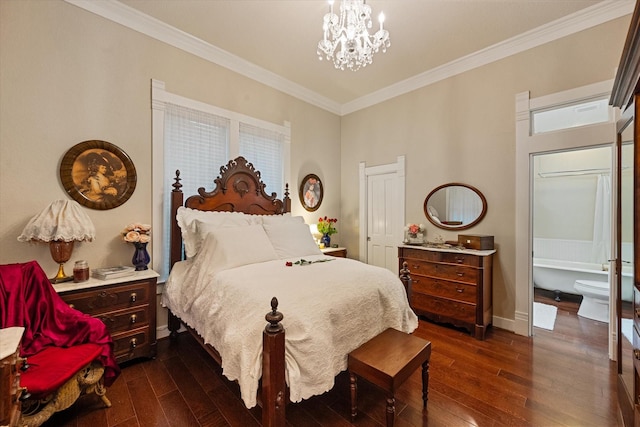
x=557 y=378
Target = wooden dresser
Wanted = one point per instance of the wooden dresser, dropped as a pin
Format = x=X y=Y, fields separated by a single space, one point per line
x=451 y=286
x=127 y=305
x=10 y=362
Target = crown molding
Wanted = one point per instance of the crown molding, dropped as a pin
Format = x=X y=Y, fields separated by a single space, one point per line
x=131 y=18
x=589 y=17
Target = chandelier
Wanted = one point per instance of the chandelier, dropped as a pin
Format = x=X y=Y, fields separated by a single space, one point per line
x=346 y=37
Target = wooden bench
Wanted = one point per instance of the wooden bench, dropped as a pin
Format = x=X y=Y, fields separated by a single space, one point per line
x=387 y=360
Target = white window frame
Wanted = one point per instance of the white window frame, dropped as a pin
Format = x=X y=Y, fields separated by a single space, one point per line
x=159 y=97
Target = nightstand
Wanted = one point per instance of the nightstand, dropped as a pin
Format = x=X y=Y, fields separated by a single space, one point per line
x=10 y=363
x=127 y=305
x=337 y=252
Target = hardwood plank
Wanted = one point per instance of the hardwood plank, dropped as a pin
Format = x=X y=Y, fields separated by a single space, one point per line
x=177 y=410
x=148 y=408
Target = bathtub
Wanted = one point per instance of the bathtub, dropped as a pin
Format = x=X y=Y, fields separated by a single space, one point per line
x=558 y=275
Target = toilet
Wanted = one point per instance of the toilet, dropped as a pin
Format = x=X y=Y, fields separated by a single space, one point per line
x=595 y=299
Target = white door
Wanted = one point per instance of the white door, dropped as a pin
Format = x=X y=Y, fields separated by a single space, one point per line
x=381 y=213
x=382 y=243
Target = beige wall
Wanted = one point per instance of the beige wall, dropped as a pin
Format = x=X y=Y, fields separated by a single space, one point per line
x=68 y=76
x=463 y=130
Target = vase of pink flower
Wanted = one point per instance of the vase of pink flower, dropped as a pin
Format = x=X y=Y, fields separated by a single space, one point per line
x=139 y=235
x=414 y=234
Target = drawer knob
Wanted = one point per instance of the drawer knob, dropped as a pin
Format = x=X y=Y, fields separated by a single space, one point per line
x=460 y=274
x=133 y=319
x=133 y=343
x=416 y=266
x=133 y=297
x=72 y=306
x=459 y=290
x=460 y=260
x=636 y=353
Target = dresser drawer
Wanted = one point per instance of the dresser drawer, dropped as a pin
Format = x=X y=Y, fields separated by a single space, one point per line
x=443 y=307
x=132 y=344
x=454 y=291
x=436 y=256
x=125 y=320
x=459 y=273
x=108 y=299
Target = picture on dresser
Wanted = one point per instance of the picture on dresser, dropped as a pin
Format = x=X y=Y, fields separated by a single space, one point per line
x=311 y=192
x=98 y=174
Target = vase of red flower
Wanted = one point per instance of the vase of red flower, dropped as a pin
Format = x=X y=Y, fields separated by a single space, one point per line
x=326 y=226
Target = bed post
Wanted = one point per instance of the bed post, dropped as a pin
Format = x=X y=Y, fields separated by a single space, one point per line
x=175 y=253
x=273 y=370
x=286 y=200
x=405 y=278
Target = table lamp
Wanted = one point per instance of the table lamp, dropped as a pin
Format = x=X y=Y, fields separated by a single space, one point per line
x=60 y=224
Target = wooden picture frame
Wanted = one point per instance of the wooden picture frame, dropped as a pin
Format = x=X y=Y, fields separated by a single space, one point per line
x=311 y=192
x=98 y=174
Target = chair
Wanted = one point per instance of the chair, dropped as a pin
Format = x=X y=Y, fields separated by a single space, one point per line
x=67 y=352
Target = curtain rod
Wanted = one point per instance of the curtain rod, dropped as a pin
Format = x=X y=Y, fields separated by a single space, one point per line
x=577 y=172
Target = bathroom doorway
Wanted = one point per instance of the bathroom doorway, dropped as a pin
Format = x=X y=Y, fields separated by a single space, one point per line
x=571 y=232
x=584 y=121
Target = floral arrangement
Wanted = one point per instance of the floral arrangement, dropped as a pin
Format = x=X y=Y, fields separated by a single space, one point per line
x=137 y=233
x=326 y=225
x=414 y=229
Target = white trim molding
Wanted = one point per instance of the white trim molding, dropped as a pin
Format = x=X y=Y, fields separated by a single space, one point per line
x=129 y=17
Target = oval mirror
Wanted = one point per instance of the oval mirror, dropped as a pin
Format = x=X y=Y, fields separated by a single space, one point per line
x=455 y=206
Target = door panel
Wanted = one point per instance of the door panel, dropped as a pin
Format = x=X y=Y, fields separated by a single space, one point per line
x=381 y=216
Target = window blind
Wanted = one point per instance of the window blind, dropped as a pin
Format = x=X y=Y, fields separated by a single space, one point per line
x=264 y=149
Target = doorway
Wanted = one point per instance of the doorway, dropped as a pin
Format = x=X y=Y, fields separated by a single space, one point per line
x=529 y=143
x=572 y=235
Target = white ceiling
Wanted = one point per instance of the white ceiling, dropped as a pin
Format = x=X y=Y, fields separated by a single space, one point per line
x=275 y=41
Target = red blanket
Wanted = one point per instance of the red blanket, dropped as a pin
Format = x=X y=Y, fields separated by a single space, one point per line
x=28 y=299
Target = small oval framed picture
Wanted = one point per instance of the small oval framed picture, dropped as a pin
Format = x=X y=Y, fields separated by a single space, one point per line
x=311 y=192
x=98 y=175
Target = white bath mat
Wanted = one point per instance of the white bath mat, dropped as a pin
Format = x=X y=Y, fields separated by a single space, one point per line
x=627 y=329
x=544 y=315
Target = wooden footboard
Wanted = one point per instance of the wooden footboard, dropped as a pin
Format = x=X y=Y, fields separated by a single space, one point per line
x=273 y=395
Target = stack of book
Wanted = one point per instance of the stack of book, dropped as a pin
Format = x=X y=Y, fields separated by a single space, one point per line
x=112 y=272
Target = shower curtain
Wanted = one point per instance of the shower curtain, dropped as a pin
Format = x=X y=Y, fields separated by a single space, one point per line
x=462 y=204
x=601 y=248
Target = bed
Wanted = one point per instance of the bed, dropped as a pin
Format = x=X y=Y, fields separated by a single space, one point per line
x=236 y=252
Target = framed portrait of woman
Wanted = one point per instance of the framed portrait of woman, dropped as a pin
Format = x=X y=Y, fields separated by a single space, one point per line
x=98 y=174
x=311 y=192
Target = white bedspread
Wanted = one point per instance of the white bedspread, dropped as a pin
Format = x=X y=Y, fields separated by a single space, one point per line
x=329 y=309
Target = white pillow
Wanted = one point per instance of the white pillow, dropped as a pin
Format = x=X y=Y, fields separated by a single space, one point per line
x=237 y=246
x=291 y=239
x=189 y=219
x=285 y=218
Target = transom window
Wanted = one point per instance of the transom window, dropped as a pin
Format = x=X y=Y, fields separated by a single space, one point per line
x=570 y=116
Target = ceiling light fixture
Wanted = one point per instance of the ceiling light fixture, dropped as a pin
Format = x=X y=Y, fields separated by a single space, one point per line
x=346 y=37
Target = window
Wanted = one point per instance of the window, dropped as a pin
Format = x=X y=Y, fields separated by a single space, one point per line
x=198 y=139
x=570 y=116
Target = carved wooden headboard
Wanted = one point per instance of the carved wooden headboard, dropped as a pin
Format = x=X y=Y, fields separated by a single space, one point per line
x=237 y=189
